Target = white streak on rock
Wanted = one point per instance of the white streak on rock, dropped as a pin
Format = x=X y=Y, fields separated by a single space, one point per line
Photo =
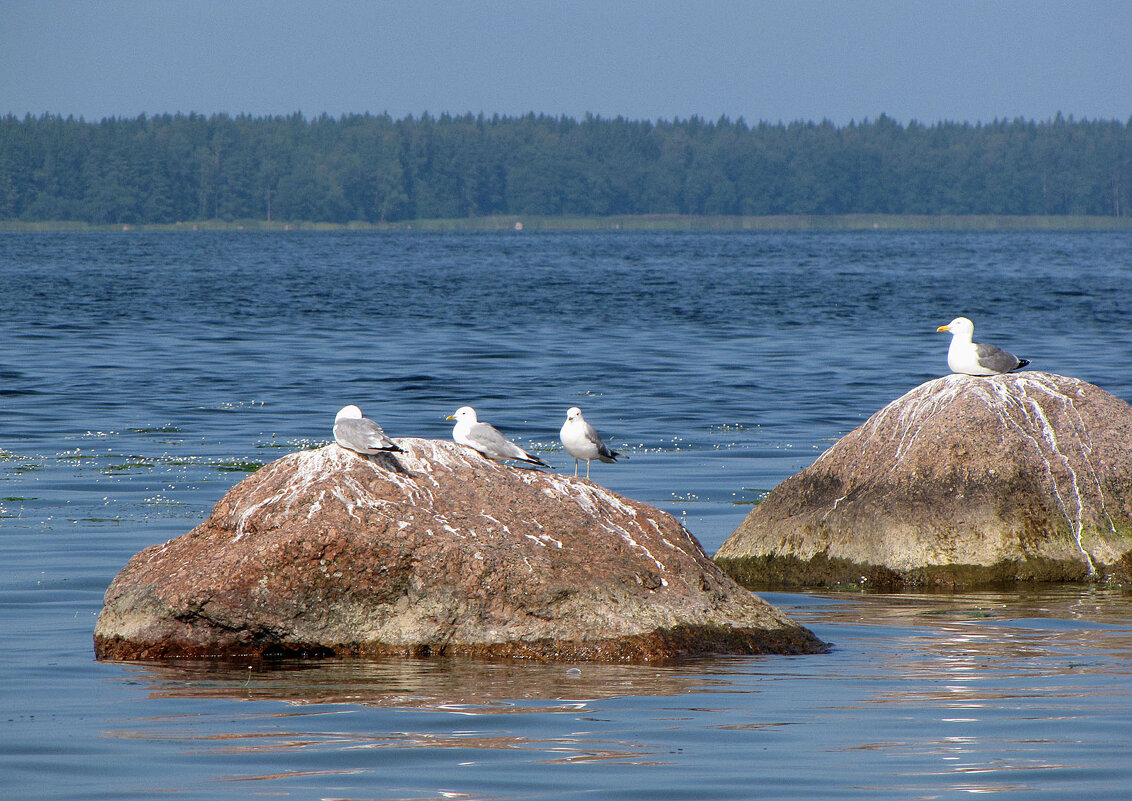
x=316 y=507
x=419 y=462
x=660 y=533
x=1019 y=401
x=543 y=539
x=1028 y=416
x=834 y=507
x=911 y=414
x=591 y=498
x=503 y=526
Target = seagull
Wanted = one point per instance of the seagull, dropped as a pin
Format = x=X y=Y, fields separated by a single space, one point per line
x=965 y=356
x=360 y=434
x=582 y=442
x=487 y=439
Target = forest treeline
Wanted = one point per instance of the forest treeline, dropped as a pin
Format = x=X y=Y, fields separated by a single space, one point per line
x=372 y=168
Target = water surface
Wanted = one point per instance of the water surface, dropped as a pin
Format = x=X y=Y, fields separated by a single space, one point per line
x=143 y=375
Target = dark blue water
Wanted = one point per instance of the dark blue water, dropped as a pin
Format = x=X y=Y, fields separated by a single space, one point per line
x=142 y=375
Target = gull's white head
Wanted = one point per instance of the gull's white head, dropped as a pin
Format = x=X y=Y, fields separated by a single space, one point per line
x=959 y=326
x=350 y=412
x=573 y=413
x=465 y=414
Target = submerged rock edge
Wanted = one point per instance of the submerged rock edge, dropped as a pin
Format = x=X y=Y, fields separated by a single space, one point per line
x=770 y=572
x=661 y=645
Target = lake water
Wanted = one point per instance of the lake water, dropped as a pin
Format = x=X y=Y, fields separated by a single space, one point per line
x=142 y=375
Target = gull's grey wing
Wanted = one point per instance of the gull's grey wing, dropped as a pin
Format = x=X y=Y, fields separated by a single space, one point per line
x=995 y=358
x=604 y=454
x=488 y=440
x=363 y=436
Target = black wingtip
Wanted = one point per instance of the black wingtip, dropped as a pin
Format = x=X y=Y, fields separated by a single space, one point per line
x=1022 y=363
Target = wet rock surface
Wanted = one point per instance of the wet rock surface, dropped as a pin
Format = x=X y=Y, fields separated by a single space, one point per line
x=963 y=481
x=434 y=551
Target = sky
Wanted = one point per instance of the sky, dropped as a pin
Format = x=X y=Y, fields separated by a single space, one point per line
x=759 y=60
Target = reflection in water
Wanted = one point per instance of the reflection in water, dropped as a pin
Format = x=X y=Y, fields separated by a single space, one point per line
x=1010 y=668
x=446 y=684
x=963 y=638
x=332 y=692
x=922 y=695
x=223 y=351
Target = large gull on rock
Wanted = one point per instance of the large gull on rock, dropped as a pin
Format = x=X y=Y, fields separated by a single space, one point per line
x=973 y=358
x=582 y=441
x=487 y=439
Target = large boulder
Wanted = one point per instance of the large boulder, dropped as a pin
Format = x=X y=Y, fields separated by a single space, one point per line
x=434 y=551
x=963 y=481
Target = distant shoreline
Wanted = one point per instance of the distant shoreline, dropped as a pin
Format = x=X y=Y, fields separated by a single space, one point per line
x=649 y=222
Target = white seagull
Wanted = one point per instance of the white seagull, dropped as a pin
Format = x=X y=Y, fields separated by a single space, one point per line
x=360 y=434
x=582 y=441
x=487 y=439
x=972 y=358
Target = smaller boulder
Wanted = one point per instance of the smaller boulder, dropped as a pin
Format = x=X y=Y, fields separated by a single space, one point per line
x=433 y=551
x=963 y=481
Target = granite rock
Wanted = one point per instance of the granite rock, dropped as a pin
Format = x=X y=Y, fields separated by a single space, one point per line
x=434 y=551
x=963 y=481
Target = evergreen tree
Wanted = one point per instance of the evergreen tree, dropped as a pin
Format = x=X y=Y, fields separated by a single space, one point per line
x=180 y=167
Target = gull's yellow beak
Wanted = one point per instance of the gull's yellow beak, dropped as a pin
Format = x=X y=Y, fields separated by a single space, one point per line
x=450 y=417
x=943 y=328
